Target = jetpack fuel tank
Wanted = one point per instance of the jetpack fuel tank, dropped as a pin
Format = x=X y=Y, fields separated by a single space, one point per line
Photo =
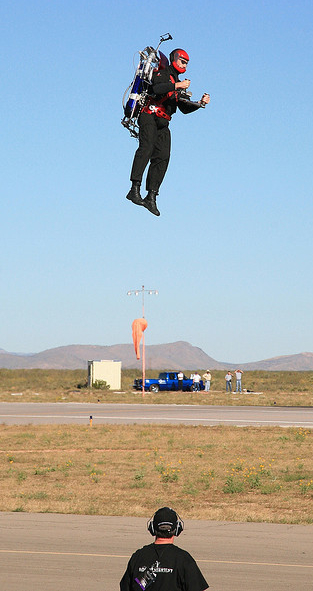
x=135 y=96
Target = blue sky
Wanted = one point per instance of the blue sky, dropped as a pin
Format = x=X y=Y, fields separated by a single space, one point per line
x=231 y=254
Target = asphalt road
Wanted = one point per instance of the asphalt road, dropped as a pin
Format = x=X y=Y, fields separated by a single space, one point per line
x=90 y=553
x=65 y=413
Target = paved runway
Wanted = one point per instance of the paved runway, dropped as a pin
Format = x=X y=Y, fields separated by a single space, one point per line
x=53 y=552
x=65 y=413
x=89 y=553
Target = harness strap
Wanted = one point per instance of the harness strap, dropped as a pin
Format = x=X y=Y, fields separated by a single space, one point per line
x=156 y=106
x=156 y=109
x=172 y=91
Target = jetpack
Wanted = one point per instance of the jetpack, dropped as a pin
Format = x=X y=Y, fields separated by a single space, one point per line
x=136 y=94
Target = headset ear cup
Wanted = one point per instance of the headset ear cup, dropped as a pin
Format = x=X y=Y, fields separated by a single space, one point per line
x=179 y=527
x=150 y=526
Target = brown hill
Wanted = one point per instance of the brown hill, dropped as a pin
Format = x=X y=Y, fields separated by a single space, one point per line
x=168 y=356
x=178 y=355
x=298 y=362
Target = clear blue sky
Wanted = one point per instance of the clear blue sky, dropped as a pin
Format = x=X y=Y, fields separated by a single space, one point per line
x=231 y=254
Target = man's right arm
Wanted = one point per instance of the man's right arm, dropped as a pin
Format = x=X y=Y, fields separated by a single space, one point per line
x=125 y=584
x=162 y=84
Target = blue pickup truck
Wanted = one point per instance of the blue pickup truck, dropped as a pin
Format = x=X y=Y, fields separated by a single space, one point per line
x=166 y=381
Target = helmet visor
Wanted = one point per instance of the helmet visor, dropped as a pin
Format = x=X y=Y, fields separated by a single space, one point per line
x=183 y=62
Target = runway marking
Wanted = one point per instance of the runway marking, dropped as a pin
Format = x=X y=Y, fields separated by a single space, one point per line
x=127 y=557
x=62 y=553
x=256 y=563
x=308 y=424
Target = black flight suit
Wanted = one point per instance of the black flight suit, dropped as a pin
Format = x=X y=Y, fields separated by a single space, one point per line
x=154 y=133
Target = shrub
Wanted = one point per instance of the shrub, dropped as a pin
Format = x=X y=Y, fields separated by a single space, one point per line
x=100 y=385
x=232 y=486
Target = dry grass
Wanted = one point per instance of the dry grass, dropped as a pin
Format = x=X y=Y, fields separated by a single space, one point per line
x=220 y=473
x=271 y=388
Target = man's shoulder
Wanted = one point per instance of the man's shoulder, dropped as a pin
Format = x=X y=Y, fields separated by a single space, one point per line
x=143 y=550
x=181 y=552
x=171 y=547
x=145 y=547
x=165 y=73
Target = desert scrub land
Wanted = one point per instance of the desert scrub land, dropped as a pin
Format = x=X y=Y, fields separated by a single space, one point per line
x=219 y=473
x=267 y=388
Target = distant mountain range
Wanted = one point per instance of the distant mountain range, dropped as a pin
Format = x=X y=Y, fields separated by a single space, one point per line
x=178 y=355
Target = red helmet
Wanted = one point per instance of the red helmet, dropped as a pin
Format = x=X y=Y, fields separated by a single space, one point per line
x=175 y=55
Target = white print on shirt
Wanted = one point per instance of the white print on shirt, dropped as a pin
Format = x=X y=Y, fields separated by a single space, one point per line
x=156 y=569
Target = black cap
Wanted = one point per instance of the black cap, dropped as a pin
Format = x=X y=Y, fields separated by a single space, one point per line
x=165 y=521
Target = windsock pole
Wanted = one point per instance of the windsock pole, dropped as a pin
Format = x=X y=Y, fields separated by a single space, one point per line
x=136 y=292
x=143 y=365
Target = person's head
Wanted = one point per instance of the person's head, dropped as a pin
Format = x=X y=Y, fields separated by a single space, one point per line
x=179 y=60
x=165 y=523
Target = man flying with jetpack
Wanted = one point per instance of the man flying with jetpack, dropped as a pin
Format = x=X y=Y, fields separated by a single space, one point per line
x=166 y=93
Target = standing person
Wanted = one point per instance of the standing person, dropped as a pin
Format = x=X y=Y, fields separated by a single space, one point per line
x=228 y=378
x=207 y=380
x=162 y=563
x=154 y=133
x=238 y=374
x=180 y=377
x=196 y=382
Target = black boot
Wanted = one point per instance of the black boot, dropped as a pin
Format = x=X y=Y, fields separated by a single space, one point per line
x=134 y=194
x=150 y=202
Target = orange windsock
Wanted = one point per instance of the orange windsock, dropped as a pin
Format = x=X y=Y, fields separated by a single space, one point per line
x=138 y=326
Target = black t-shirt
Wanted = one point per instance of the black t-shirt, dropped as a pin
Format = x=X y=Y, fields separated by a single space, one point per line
x=164 y=567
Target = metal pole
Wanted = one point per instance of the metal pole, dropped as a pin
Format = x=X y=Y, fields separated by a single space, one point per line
x=143 y=365
x=136 y=292
x=143 y=346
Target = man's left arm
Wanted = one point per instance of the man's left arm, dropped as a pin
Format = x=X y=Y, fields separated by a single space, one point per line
x=186 y=106
x=193 y=577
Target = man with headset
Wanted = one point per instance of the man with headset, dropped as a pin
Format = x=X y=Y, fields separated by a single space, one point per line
x=162 y=564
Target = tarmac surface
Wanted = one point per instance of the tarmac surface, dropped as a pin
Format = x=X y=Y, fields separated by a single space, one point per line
x=52 y=552
x=73 y=412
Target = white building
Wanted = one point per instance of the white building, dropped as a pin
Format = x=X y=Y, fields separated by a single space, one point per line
x=108 y=371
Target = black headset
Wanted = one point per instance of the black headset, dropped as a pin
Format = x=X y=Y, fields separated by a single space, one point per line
x=178 y=528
